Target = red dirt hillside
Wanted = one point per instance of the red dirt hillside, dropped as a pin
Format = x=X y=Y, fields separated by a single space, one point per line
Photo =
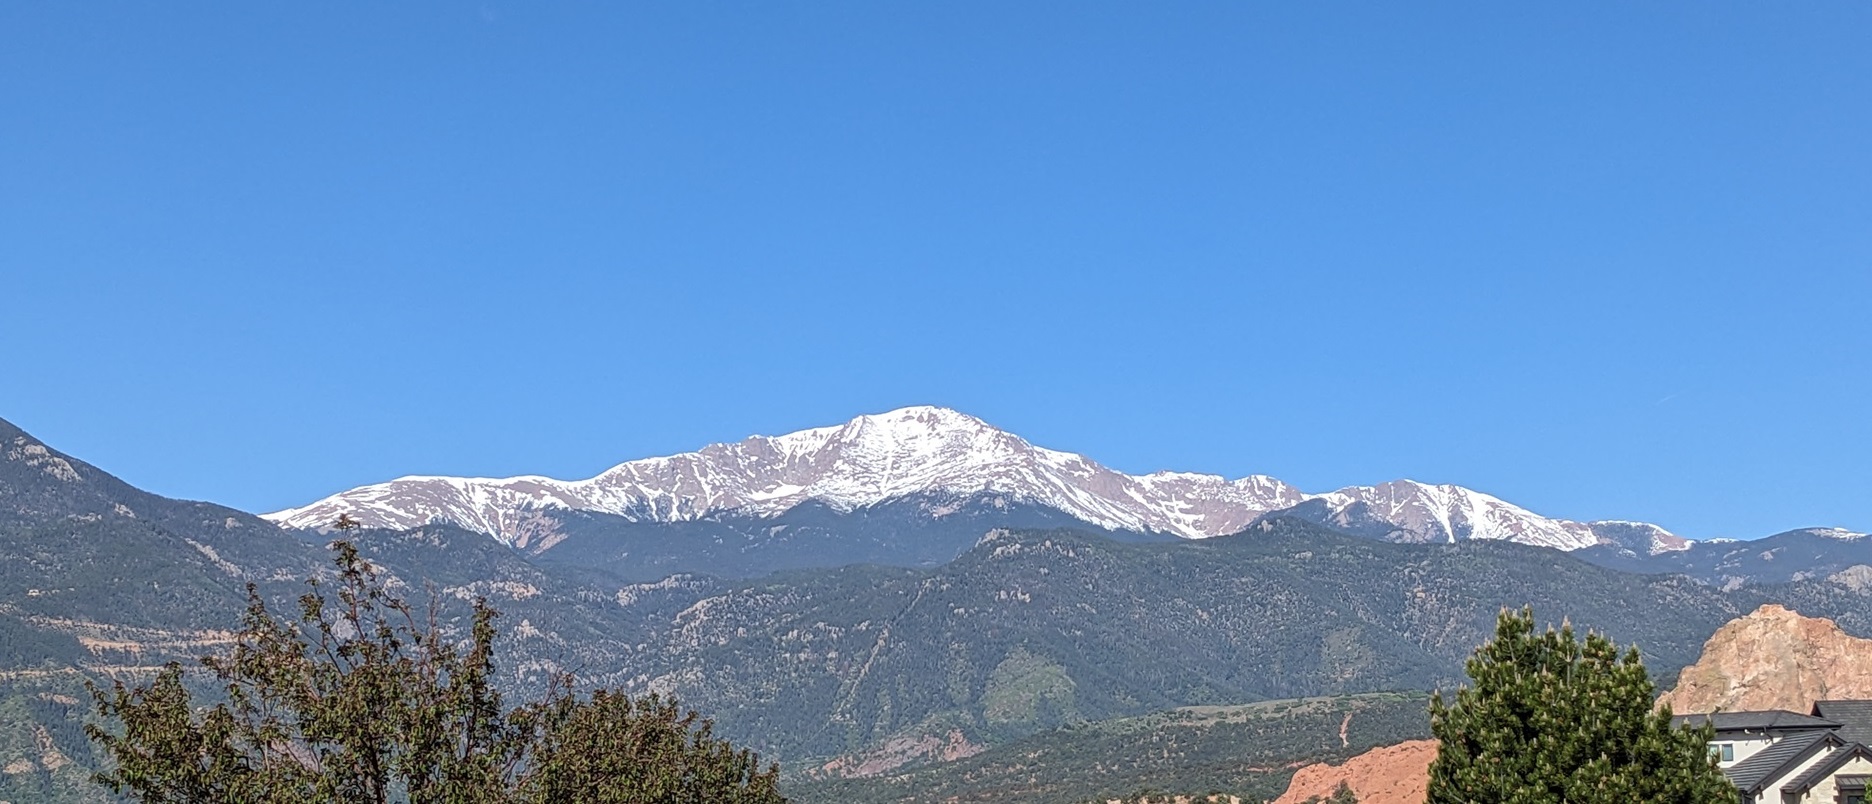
x=1394 y=774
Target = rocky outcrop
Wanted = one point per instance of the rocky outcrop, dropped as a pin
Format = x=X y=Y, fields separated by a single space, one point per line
x=1857 y=577
x=1774 y=658
x=901 y=751
x=1394 y=774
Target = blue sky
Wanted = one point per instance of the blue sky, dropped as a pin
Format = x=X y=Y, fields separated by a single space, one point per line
x=1602 y=260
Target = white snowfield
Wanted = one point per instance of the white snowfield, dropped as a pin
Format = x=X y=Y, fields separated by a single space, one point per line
x=1840 y=534
x=931 y=450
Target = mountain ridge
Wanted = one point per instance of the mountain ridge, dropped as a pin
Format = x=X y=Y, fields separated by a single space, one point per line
x=876 y=458
x=1795 y=555
x=1028 y=630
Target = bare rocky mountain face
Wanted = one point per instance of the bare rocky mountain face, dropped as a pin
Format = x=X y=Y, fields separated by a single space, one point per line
x=1774 y=658
x=934 y=454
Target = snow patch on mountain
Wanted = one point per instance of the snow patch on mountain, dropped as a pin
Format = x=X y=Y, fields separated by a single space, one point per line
x=1838 y=534
x=928 y=450
x=1641 y=538
x=1419 y=512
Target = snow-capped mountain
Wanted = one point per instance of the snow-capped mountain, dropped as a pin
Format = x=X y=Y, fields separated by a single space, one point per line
x=1408 y=511
x=937 y=451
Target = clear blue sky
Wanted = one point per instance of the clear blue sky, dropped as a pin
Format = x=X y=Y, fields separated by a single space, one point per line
x=1602 y=260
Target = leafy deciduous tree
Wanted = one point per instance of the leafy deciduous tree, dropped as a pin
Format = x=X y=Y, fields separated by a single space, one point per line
x=360 y=700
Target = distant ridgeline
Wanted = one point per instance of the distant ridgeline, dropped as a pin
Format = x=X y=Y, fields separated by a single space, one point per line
x=979 y=623
x=930 y=464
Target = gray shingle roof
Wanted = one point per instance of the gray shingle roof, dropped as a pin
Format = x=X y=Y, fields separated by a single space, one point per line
x=1751 y=774
x=1855 y=718
x=1825 y=767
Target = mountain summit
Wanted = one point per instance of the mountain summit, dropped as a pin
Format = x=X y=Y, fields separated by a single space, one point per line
x=938 y=452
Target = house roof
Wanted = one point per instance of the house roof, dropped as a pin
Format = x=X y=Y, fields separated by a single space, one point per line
x=1826 y=766
x=1765 y=720
x=1855 y=718
x=1753 y=774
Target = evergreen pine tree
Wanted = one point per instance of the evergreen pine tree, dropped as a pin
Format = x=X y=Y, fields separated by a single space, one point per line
x=1550 y=718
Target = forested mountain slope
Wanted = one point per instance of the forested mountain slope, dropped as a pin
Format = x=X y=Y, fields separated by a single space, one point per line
x=1026 y=631
x=1031 y=630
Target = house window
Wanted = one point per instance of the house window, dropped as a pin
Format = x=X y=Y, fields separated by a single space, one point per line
x=1728 y=754
x=1852 y=789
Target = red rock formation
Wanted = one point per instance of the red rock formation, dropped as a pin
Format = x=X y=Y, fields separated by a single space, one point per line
x=1394 y=774
x=1774 y=659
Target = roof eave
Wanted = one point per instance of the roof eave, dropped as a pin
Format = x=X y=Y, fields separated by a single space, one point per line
x=1821 y=771
x=1828 y=742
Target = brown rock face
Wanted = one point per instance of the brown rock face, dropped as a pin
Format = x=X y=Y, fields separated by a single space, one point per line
x=898 y=752
x=1774 y=659
x=1394 y=774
